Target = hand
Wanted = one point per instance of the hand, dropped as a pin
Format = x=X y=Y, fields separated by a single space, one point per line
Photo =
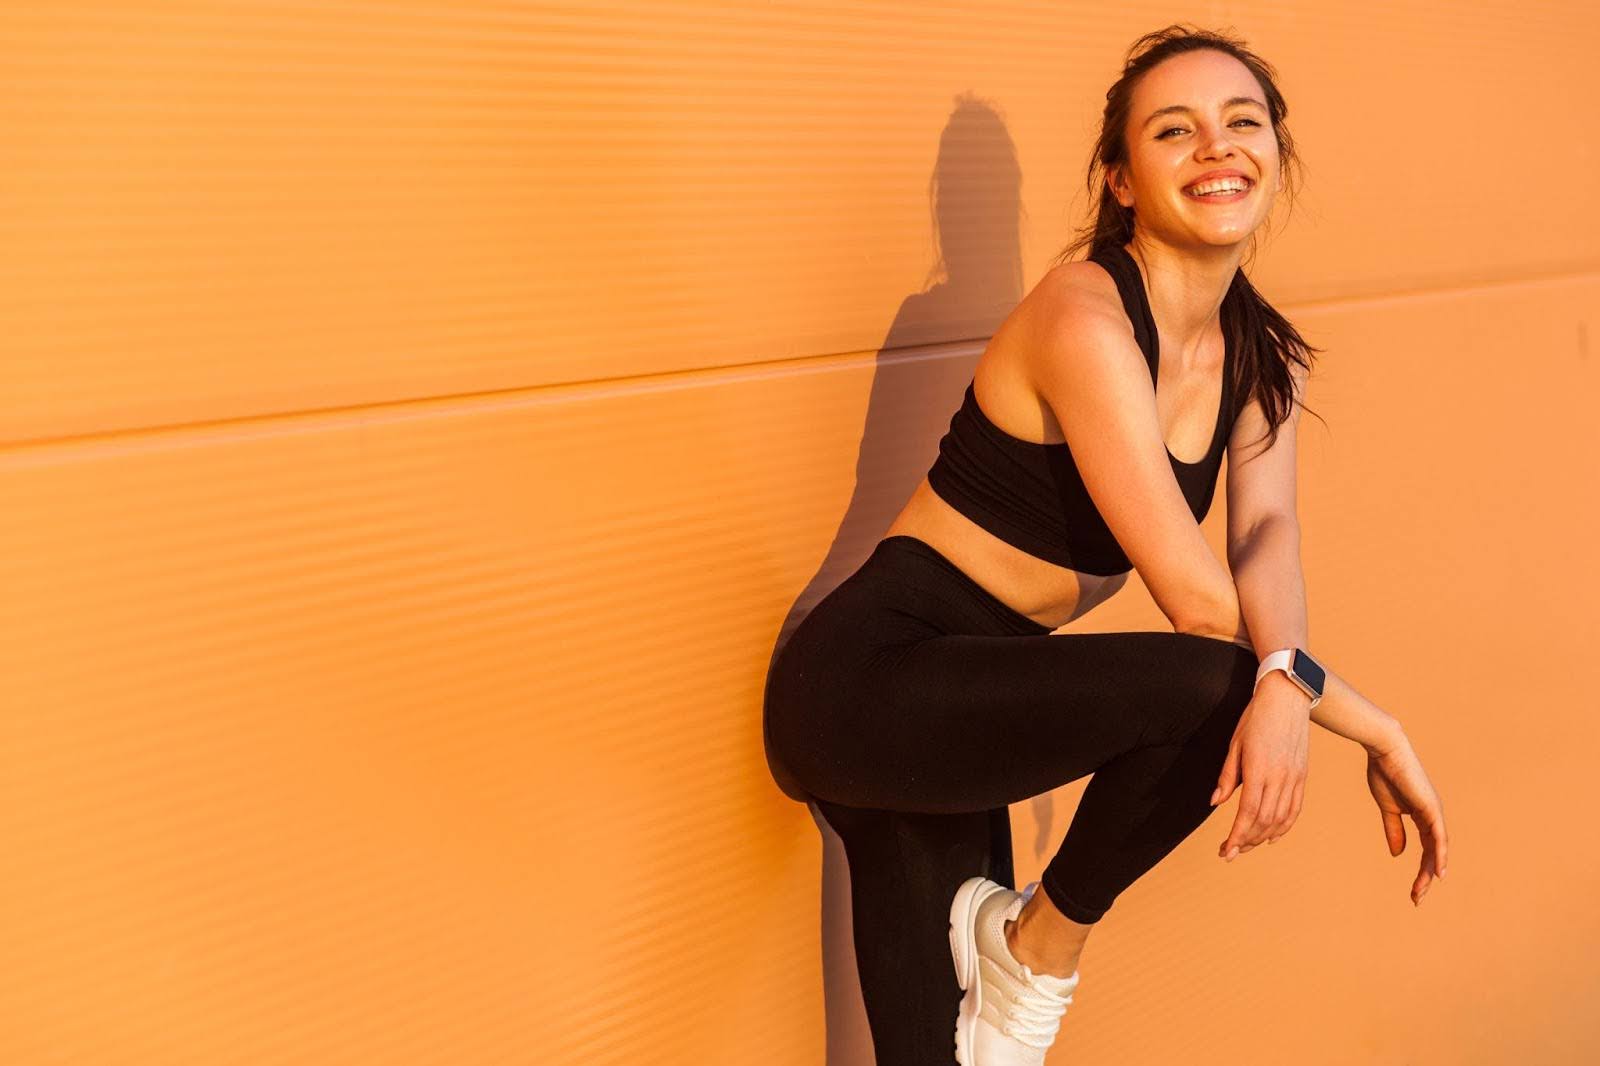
x=1400 y=786
x=1270 y=744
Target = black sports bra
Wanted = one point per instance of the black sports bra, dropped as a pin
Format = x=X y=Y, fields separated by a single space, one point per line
x=1030 y=495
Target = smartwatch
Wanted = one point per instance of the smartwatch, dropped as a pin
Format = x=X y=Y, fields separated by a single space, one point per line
x=1302 y=669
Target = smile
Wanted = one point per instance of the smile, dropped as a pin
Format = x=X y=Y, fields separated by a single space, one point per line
x=1221 y=190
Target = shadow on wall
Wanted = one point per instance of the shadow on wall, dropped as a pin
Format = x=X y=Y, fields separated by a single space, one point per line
x=976 y=281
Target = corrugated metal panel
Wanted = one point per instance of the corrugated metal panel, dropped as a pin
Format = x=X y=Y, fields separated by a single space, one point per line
x=217 y=211
x=394 y=738
x=423 y=419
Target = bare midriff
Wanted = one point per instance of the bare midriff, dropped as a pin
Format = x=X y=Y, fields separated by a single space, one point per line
x=1049 y=594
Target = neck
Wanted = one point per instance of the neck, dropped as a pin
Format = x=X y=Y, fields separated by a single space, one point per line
x=1185 y=292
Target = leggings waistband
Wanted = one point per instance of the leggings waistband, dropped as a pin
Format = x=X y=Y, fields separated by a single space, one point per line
x=1012 y=620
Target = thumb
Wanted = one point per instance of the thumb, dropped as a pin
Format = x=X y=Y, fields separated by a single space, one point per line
x=1230 y=776
x=1395 y=831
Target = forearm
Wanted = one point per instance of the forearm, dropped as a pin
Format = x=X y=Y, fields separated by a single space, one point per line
x=1345 y=711
x=1272 y=613
x=1270 y=587
x=1263 y=607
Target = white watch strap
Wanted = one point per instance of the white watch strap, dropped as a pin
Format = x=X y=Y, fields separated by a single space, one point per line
x=1278 y=660
x=1281 y=660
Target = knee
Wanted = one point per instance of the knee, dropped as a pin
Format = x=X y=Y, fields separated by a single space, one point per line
x=1228 y=679
x=1243 y=676
x=1220 y=664
x=1217 y=679
x=1230 y=686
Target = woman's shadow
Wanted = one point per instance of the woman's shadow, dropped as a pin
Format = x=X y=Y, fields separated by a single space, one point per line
x=923 y=367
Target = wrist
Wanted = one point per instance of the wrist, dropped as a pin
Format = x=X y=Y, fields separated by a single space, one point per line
x=1277 y=684
x=1391 y=737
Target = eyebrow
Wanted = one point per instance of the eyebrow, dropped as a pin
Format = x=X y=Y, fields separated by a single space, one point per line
x=1230 y=102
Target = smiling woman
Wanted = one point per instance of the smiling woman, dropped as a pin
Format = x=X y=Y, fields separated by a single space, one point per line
x=927 y=691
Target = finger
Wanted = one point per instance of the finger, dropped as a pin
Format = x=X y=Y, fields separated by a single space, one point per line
x=1228 y=778
x=1273 y=804
x=1285 y=816
x=1278 y=819
x=1425 y=864
x=1424 y=879
x=1285 y=810
x=1245 y=821
x=1267 y=817
x=1244 y=818
x=1436 y=827
x=1433 y=838
x=1394 y=832
x=1291 y=810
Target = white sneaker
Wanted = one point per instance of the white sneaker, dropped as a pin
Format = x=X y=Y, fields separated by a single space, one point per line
x=1009 y=1015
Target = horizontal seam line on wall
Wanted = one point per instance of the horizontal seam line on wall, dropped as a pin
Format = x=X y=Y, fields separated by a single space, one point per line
x=568 y=391
x=454 y=405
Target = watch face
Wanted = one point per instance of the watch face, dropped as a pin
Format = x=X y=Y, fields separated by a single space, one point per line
x=1307 y=669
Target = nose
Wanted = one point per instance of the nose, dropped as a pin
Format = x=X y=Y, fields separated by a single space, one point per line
x=1215 y=143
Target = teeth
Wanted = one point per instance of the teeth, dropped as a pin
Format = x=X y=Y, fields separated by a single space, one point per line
x=1220 y=185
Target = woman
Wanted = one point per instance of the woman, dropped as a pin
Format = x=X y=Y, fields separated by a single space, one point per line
x=927 y=691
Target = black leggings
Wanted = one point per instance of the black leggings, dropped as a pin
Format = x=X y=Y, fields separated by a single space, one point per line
x=914 y=706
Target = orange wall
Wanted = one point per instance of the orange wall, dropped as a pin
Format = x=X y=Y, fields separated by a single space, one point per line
x=419 y=420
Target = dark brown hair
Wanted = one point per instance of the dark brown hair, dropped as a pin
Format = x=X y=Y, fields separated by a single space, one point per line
x=1264 y=341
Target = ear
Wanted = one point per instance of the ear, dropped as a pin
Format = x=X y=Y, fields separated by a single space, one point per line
x=1115 y=184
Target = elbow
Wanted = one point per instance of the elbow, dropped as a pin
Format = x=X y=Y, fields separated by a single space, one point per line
x=1277 y=523
x=1221 y=618
x=1206 y=629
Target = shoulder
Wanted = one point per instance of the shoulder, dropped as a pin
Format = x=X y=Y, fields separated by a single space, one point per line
x=1081 y=283
x=1075 y=315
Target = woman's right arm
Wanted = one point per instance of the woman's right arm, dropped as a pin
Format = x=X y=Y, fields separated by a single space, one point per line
x=1089 y=370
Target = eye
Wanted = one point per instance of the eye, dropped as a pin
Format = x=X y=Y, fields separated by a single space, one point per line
x=1179 y=129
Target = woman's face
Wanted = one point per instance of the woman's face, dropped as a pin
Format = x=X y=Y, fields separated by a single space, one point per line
x=1220 y=122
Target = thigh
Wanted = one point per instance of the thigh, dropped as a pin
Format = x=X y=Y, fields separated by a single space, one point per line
x=967 y=722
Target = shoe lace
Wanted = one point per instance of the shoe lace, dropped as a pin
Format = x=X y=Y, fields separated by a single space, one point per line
x=1035 y=1014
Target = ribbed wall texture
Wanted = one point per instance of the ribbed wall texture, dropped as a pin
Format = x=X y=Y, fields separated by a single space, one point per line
x=418 y=421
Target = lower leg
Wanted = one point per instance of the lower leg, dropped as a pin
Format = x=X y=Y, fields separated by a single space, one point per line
x=1136 y=810
x=1045 y=940
x=904 y=870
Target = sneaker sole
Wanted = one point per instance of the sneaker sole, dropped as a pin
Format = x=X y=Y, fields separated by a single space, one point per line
x=964 y=953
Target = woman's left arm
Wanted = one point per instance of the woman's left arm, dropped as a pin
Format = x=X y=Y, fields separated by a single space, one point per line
x=1264 y=558
x=1271 y=742
x=1272 y=589
x=1264 y=529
